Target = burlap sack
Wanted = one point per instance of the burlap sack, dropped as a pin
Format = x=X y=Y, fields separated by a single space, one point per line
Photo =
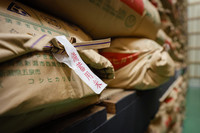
x=174 y=47
x=20 y=19
x=34 y=87
x=14 y=74
x=166 y=23
x=107 y=18
x=152 y=66
x=17 y=18
x=160 y=123
x=37 y=83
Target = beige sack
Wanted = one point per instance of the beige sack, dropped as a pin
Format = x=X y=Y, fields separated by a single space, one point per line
x=16 y=74
x=107 y=18
x=174 y=47
x=151 y=68
x=35 y=82
x=34 y=87
x=20 y=19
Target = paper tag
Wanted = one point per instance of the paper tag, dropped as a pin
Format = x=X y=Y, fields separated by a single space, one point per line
x=74 y=61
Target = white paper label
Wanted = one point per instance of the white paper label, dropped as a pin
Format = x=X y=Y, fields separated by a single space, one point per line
x=74 y=61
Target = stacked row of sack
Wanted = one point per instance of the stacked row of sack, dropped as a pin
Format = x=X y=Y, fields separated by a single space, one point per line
x=34 y=86
x=170 y=116
x=173 y=27
x=172 y=34
x=139 y=61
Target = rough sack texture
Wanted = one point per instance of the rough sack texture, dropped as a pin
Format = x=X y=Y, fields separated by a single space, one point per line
x=153 y=66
